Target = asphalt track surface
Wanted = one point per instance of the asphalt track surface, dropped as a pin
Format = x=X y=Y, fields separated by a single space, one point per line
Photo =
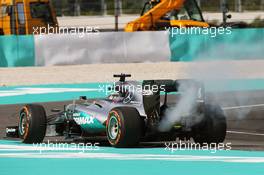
x=245 y=133
x=244 y=113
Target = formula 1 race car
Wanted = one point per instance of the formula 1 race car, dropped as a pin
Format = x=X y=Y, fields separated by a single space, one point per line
x=133 y=112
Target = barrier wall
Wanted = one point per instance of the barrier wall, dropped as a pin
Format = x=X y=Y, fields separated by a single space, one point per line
x=17 y=51
x=124 y=47
x=241 y=44
x=102 y=48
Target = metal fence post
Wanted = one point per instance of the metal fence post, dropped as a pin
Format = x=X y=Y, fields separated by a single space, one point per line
x=199 y=3
x=224 y=10
x=117 y=12
x=238 y=5
x=77 y=8
x=262 y=5
x=103 y=8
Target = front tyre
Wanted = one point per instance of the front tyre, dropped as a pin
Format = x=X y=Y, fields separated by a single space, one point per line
x=32 y=124
x=124 y=127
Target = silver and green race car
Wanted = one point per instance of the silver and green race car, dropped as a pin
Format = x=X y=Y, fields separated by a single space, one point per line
x=132 y=113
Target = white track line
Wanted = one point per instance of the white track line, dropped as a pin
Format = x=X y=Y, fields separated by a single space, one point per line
x=244 y=106
x=246 y=133
x=111 y=156
x=119 y=156
x=41 y=147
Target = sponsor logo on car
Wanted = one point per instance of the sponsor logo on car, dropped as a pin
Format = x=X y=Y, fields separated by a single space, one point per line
x=10 y=130
x=76 y=114
x=83 y=120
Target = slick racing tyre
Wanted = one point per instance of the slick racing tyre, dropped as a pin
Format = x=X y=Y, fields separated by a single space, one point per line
x=212 y=128
x=32 y=124
x=124 y=127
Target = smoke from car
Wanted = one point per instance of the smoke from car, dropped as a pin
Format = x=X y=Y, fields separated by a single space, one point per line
x=216 y=77
x=183 y=107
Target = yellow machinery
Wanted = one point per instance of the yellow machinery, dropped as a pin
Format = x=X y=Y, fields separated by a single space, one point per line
x=159 y=14
x=22 y=17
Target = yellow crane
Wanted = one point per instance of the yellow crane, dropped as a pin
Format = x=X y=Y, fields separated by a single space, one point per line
x=159 y=14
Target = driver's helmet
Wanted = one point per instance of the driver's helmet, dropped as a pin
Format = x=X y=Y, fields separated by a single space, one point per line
x=125 y=93
x=116 y=97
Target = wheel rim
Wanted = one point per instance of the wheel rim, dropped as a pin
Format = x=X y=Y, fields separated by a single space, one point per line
x=23 y=123
x=113 y=128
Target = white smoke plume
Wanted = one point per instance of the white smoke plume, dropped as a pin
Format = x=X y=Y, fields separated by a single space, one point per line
x=183 y=107
x=217 y=76
x=208 y=73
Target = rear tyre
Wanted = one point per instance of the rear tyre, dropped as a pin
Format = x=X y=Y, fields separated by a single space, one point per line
x=32 y=124
x=212 y=128
x=124 y=127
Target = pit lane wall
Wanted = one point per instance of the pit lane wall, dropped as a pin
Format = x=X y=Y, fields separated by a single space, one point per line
x=121 y=47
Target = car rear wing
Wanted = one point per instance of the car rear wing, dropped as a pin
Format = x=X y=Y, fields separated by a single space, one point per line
x=169 y=86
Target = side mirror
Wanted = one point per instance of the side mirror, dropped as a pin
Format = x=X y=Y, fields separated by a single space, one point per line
x=55 y=110
x=83 y=98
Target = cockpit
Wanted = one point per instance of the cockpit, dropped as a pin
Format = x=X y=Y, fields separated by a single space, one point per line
x=122 y=95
